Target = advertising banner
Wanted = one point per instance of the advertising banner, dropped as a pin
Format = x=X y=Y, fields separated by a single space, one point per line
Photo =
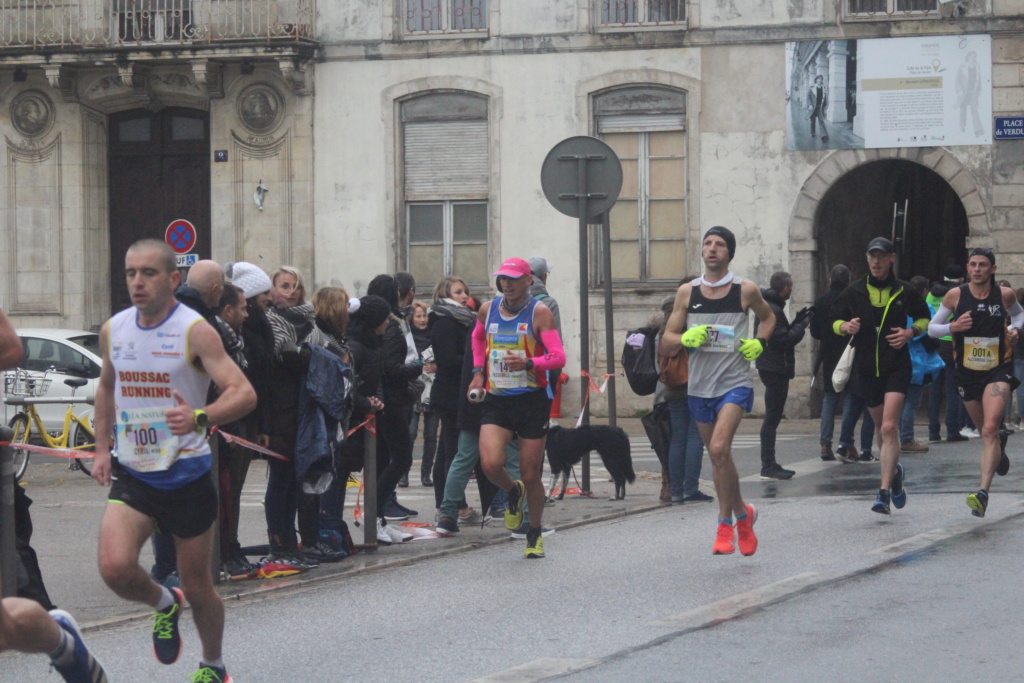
x=889 y=92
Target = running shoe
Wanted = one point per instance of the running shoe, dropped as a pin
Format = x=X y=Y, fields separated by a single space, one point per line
x=699 y=497
x=881 y=505
x=472 y=517
x=408 y=511
x=776 y=471
x=447 y=526
x=210 y=674
x=745 y=532
x=321 y=552
x=166 y=638
x=724 y=540
x=534 y=546
x=520 y=533
x=393 y=512
x=978 y=502
x=83 y=668
x=847 y=454
x=1004 y=462
x=383 y=537
x=867 y=456
x=898 y=492
x=396 y=535
x=514 y=511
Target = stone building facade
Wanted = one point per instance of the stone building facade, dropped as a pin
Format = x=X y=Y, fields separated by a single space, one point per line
x=409 y=135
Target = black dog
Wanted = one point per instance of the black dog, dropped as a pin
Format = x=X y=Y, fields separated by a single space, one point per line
x=566 y=447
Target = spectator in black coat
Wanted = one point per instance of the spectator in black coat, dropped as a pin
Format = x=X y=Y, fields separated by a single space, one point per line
x=776 y=366
x=451 y=321
x=830 y=348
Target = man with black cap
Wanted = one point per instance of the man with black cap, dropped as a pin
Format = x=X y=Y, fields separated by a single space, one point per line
x=874 y=311
x=710 y=318
x=984 y=360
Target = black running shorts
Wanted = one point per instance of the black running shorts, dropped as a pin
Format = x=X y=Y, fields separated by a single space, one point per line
x=873 y=389
x=974 y=389
x=525 y=415
x=185 y=512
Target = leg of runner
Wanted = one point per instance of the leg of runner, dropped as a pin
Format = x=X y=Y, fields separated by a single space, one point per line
x=493 y=440
x=887 y=420
x=123 y=531
x=197 y=584
x=26 y=627
x=988 y=412
x=718 y=438
x=531 y=468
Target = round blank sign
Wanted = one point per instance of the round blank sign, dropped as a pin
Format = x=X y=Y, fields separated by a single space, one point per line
x=559 y=175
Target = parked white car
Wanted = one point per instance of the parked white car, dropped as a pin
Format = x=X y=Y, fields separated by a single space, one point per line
x=65 y=354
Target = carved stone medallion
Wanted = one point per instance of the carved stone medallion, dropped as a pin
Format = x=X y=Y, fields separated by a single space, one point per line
x=32 y=113
x=260 y=108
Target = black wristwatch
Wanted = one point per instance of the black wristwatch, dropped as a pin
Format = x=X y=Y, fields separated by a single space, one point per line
x=202 y=420
x=529 y=364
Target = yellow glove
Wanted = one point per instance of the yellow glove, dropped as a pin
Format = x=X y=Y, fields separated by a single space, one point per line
x=751 y=348
x=695 y=336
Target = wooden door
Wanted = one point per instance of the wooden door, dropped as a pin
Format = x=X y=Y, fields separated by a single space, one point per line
x=159 y=172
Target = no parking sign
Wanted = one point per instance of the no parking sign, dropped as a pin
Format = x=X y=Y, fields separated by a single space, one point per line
x=181 y=236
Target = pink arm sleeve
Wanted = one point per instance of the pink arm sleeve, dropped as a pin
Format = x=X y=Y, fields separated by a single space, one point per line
x=479 y=345
x=554 y=359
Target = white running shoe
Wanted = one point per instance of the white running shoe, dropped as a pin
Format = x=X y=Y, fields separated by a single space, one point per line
x=383 y=537
x=970 y=433
x=396 y=535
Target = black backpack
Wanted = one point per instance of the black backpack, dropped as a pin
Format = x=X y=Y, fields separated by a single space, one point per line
x=640 y=365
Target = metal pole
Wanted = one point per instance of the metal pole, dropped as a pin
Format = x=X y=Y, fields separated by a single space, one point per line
x=215 y=566
x=8 y=543
x=581 y=191
x=609 y=314
x=370 y=486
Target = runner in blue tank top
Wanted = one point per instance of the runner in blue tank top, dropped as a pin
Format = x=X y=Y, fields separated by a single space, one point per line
x=161 y=482
x=710 y=318
x=515 y=344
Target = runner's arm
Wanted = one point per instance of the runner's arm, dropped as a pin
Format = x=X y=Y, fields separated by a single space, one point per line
x=479 y=336
x=103 y=413
x=554 y=356
x=755 y=302
x=237 y=397
x=670 y=342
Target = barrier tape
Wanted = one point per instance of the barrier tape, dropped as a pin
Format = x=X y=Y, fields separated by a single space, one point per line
x=230 y=438
x=71 y=453
x=591 y=385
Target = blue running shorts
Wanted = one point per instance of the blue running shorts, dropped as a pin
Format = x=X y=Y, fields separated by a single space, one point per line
x=706 y=409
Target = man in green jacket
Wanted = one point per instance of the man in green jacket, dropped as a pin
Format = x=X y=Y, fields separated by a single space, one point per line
x=874 y=310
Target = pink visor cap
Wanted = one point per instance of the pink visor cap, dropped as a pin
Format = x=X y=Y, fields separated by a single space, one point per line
x=514 y=268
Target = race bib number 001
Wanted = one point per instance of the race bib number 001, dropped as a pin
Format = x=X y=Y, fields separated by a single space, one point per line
x=721 y=339
x=500 y=375
x=144 y=441
x=980 y=352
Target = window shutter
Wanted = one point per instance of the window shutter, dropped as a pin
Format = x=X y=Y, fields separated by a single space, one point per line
x=641 y=123
x=446 y=159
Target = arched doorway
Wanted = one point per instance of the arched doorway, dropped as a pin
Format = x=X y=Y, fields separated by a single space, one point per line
x=159 y=171
x=860 y=205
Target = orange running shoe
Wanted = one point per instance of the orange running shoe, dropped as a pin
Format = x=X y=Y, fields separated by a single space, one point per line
x=724 y=540
x=745 y=532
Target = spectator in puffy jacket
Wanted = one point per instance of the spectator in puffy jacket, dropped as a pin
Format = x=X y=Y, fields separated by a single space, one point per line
x=776 y=366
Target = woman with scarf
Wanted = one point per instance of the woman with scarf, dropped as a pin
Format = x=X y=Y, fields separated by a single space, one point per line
x=421 y=336
x=291 y=320
x=450 y=323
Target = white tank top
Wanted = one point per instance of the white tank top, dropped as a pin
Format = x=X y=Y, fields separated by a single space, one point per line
x=149 y=364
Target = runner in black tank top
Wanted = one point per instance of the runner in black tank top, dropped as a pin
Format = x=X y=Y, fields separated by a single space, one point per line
x=986 y=324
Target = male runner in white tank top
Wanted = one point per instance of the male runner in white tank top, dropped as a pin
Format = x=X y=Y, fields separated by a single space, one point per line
x=710 y=318
x=154 y=356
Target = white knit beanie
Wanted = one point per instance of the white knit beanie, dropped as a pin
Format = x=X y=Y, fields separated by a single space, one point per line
x=249 y=278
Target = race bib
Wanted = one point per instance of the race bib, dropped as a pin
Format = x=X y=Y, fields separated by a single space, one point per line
x=721 y=339
x=144 y=441
x=980 y=353
x=501 y=377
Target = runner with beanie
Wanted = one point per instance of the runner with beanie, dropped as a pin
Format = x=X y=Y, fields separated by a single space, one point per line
x=709 y=317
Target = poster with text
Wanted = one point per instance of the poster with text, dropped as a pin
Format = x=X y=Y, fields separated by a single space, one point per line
x=889 y=92
x=926 y=91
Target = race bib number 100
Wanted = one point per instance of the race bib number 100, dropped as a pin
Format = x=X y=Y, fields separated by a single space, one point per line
x=144 y=441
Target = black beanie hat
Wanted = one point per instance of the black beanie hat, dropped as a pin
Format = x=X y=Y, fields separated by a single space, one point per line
x=725 y=234
x=373 y=310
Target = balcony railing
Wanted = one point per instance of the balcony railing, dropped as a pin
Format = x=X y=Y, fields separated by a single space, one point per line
x=641 y=13
x=110 y=23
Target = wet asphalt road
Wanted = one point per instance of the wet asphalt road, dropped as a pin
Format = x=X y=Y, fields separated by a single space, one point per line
x=834 y=592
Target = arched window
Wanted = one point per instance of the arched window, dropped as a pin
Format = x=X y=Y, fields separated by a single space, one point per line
x=447 y=182
x=646 y=126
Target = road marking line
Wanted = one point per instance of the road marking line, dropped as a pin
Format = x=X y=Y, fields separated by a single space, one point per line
x=737 y=605
x=538 y=670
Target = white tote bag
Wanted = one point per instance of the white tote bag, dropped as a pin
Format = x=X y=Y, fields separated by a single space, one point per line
x=841 y=375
